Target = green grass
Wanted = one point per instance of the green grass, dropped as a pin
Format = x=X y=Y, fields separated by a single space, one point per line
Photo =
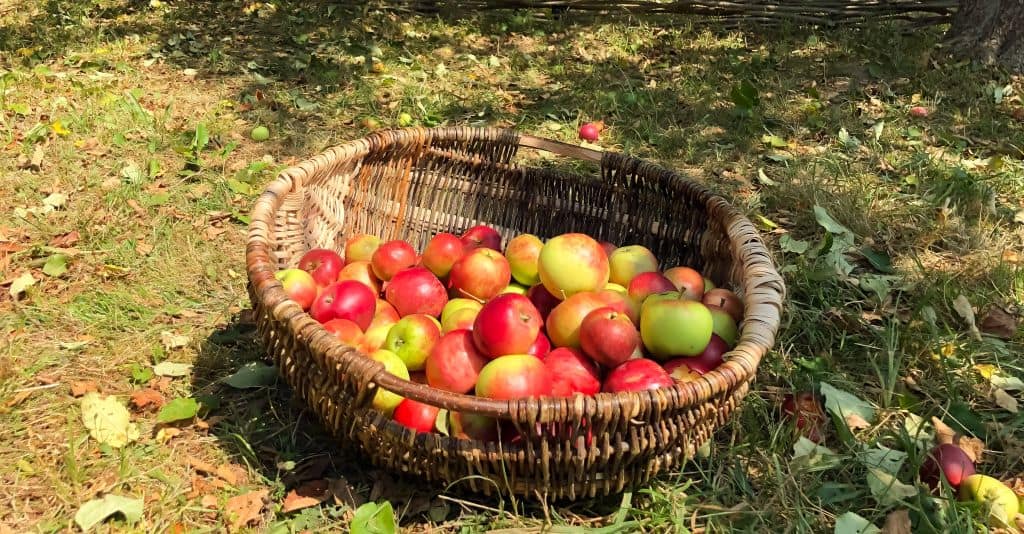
x=161 y=239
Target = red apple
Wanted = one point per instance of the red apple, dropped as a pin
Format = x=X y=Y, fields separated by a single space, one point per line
x=572 y=263
x=807 y=410
x=345 y=300
x=711 y=357
x=621 y=303
x=323 y=264
x=298 y=285
x=455 y=363
x=375 y=337
x=441 y=252
x=507 y=324
x=609 y=337
x=522 y=253
x=671 y=328
x=514 y=376
x=360 y=271
x=723 y=326
x=919 y=112
x=726 y=300
x=416 y=290
x=472 y=426
x=542 y=300
x=392 y=257
x=949 y=461
x=688 y=281
x=481 y=236
x=361 y=247
x=571 y=372
x=481 y=274
x=637 y=375
x=459 y=314
x=563 y=323
x=540 y=347
x=589 y=132
x=681 y=371
x=415 y=415
x=347 y=331
x=412 y=338
x=649 y=283
x=627 y=262
x=607 y=247
x=384 y=314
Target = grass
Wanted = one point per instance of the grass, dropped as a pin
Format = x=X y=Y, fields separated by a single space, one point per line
x=160 y=238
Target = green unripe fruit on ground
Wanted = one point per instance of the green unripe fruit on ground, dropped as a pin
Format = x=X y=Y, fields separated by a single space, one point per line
x=260 y=133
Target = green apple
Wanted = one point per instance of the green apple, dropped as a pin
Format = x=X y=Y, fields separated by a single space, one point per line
x=618 y=288
x=651 y=299
x=672 y=328
x=412 y=338
x=384 y=400
x=626 y=262
x=522 y=253
x=572 y=263
x=724 y=326
x=514 y=288
x=1000 y=501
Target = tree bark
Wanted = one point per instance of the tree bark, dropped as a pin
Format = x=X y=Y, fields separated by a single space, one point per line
x=991 y=31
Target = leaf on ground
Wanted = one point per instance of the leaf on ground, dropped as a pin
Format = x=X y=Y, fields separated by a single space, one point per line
x=147 y=398
x=917 y=428
x=962 y=306
x=252 y=375
x=65 y=240
x=996 y=377
x=997 y=323
x=172 y=369
x=879 y=260
x=884 y=458
x=21 y=283
x=243 y=510
x=56 y=265
x=897 y=522
x=828 y=223
x=857 y=413
x=172 y=341
x=851 y=523
x=96 y=511
x=108 y=421
x=814 y=456
x=373 y=518
x=167 y=434
x=344 y=493
x=177 y=410
x=55 y=200
x=944 y=434
x=886 y=488
x=230 y=473
x=795 y=246
x=1004 y=400
x=309 y=494
x=81 y=387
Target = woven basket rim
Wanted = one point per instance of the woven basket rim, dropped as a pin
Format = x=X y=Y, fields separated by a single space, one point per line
x=762 y=305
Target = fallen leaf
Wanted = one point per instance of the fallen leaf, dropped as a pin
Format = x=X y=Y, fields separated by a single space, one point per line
x=230 y=473
x=56 y=265
x=886 y=488
x=178 y=409
x=884 y=458
x=373 y=517
x=108 y=421
x=172 y=369
x=167 y=434
x=18 y=398
x=143 y=248
x=172 y=341
x=242 y=510
x=95 y=511
x=209 y=501
x=34 y=163
x=21 y=283
x=996 y=377
x=147 y=398
x=1012 y=257
x=962 y=306
x=1004 y=400
x=309 y=494
x=344 y=493
x=55 y=200
x=815 y=457
x=851 y=523
x=82 y=387
x=252 y=375
x=997 y=323
x=857 y=413
x=897 y=522
x=944 y=434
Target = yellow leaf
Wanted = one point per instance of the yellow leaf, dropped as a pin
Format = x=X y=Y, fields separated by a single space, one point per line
x=985 y=370
x=26 y=52
x=59 y=128
x=108 y=421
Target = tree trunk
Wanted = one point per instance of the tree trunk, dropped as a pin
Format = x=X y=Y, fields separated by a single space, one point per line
x=991 y=31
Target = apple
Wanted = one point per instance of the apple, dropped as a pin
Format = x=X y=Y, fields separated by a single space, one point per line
x=1000 y=501
x=672 y=328
x=360 y=271
x=608 y=336
x=481 y=274
x=708 y=284
x=416 y=415
x=723 y=326
x=441 y=252
x=544 y=301
x=681 y=371
x=455 y=362
x=481 y=236
x=725 y=300
x=949 y=461
x=385 y=400
x=540 y=347
x=711 y=357
x=627 y=262
x=919 y=112
x=607 y=247
x=412 y=338
x=611 y=286
x=621 y=303
x=323 y=264
x=345 y=300
x=298 y=285
x=375 y=337
x=807 y=411
x=416 y=290
x=346 y=331
x=688 y=281
x=572 y=263
x=589 y=132
x=563 y=323
x=507 y=324
x=361 y=247
x=514 y=288
x=649 y=283
x=514 y=376
x=472 y=426
x=522 y=253
x=462 y=318
x=571 y=372
x=392 y=257
x=637 y=375
x=657 y=297
x=383 y=314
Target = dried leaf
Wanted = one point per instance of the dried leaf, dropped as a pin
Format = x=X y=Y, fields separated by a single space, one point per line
x=996 y=322
x=34 y=163
x=167 y=434
x=95 y=511
x=65 y=240
x=243 y=510
x=973 y=447
x=143 y=248
x=995 y=377
x=962 y=306
x=82 y=387
x=230 y=473
x=897 y=522
x=55 y=200
x=309 y=494
x=172 y=341
x=1004 y=400
x=21 y=283
x=209 y=501
x=108 y=420
x=147 y=398
x=172 y=369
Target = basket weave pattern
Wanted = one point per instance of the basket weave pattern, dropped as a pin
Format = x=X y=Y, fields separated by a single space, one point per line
x=410 y=184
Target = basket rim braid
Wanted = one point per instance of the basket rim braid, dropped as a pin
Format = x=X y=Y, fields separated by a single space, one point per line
x=758 y=281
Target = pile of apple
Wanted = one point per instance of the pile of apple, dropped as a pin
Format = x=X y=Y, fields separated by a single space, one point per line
x=568 y=316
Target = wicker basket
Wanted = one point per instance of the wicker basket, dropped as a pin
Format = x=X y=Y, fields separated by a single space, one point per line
x=413 y=183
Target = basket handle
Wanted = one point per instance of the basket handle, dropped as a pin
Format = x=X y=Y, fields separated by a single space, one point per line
x=560 y=148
